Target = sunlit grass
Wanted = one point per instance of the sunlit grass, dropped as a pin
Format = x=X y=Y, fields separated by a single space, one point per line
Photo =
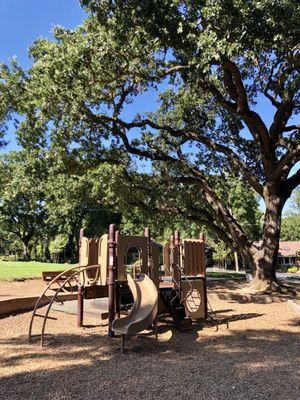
x=13 y=270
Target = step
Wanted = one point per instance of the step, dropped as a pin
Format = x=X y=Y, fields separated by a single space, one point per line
x=184 y=324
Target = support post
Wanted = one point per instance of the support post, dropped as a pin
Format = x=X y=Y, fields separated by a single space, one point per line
x=155 y=327
x=172 y=240
x=177 y=252
x=117 y=288
x=202 y=239
x=205 y=298
x=79 y=306
x=81 y=234
x=203 y=262
x=148 y=236
x=122 y=344
x=111 y=277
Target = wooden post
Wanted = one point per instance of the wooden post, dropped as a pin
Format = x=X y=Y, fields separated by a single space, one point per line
x=172 y=240
x=117 y=288
x=202 y=239
x=148 y=236
x=176 y=261
x=203 y=261
x=80 y=288
x=79 y=306
x=111 y=277
x=205 y=298
x=172 y=254
x=81 y=234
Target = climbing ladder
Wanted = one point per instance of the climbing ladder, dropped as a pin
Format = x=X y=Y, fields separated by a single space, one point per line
x=68 y=282
x=173 y=302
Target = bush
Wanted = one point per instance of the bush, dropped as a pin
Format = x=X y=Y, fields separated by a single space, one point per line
x=293 y=270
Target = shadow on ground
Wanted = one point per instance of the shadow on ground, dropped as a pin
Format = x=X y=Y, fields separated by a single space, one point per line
x=253 y=364
x=234 y=291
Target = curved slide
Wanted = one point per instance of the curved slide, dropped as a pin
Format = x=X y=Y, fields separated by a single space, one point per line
x=144 y=309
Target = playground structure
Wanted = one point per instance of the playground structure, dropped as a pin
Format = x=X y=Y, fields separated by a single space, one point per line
x=149 y=287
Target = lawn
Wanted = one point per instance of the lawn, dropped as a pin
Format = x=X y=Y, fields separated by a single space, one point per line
x=225 y=275
x=12 y=270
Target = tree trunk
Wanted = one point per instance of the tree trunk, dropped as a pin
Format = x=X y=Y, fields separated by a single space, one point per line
x=236 y=261
x=26 y=252
x=70 y=250
x=265 y=257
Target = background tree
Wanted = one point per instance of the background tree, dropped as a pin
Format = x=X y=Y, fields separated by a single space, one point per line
x=78 y=199
x=297 y=200
x=22 y=210
x=290 y=229
x=217 y=67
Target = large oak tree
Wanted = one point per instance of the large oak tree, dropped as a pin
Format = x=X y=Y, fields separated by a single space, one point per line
x=210 y=62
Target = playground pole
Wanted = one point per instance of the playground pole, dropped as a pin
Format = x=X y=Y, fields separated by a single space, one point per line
x=117 y=287
x=202 y=255
x=148 y=236
x=111 y=277
x=81 y=234
x=177 y=246
x=202 y=239
x=79 y=306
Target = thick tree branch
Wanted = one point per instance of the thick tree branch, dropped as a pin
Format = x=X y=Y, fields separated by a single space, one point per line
x=287 y=160
x=193 y=217
x=292 y=182
x=282 y=115
x=233 y=158
x=242 y=99
x=291 y=128
x=253 y=121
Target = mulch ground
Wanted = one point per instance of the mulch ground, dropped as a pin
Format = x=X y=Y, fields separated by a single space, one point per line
x=255 y=354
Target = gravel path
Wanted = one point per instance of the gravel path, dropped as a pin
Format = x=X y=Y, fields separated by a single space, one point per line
x=257 y=357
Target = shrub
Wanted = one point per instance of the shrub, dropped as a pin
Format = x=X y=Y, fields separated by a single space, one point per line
x=293 y=270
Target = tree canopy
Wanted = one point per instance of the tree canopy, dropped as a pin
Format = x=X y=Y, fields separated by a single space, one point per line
x=290 y=228
x=22 y=210
x=211 y=63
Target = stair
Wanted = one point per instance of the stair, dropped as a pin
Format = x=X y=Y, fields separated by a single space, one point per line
x=176 y=309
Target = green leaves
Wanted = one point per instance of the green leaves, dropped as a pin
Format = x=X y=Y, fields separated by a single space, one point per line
x=208 y=63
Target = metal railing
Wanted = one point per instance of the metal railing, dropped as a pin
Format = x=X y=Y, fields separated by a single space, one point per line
x=78 y=278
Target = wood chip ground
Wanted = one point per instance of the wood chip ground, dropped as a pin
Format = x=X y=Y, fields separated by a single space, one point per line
x=256 y=357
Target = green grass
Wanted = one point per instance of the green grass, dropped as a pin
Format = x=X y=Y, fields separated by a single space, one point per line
x=225 y=275
x=13 y=270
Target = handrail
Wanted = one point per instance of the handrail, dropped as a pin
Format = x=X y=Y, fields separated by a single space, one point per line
x=54 y=297
x=177 y=284
x=187 y=280
x=175 y=281
x=54 y=280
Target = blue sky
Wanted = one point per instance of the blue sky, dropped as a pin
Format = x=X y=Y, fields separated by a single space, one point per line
x=23 y=21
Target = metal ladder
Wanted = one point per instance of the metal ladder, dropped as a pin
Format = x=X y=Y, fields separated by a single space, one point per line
x=73 y=275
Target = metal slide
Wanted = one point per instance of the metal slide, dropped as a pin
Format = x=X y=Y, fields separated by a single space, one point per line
x=144 y=309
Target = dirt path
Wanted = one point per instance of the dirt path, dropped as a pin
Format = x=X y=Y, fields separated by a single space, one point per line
x=257 y=357
x=29 y=287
